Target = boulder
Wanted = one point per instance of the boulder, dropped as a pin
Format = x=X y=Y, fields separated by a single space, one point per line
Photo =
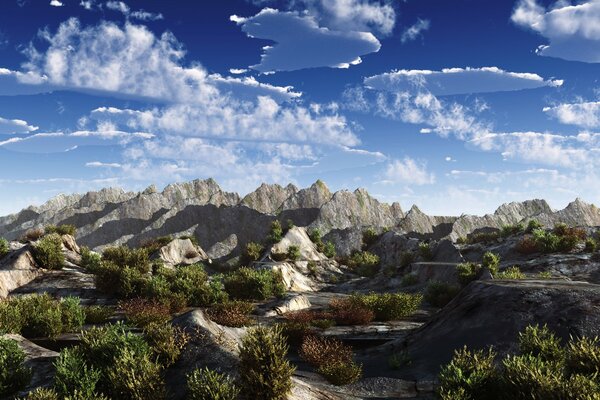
x=297 y=236
x=17 y=269
x=292 y=303
x=180 y=252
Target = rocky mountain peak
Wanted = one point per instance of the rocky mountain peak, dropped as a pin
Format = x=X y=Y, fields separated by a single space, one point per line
x=268 y=198
x=312 y=197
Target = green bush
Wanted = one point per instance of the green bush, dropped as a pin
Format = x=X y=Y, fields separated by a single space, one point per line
x=469 y=376
x=124 y=282
x=425 y=251
x=123 y=256
x=61 y=229
x=510 y=273
x=293 y=253
x=135 y=376
x=369 y=237
x=14 y=376
x=254 y=284
x=329 y=249
x=580 y=387
x=532 y=225
x=193 y=283
x=364 y=263
x=90 y=260
x=341 y=373
x=265 y=371
x=42 y=316
x=252 y=252
x=159 y=288
x=43 y=394
x=583 y=357
x=4 y=247
x=388 y=306
x=530 y=377
x=97 y=314
x=315 y=236
x=491 y=261
x=467 y=272
x=540 y=342
x=48 y=253
x=235 y=314
x=11 y=318
x=509 y=230
x=206 y=384
x=167 y=342
x=276 y=233
x=438 y=294
x=73 y=374
x=590 y=245
x=73 y=315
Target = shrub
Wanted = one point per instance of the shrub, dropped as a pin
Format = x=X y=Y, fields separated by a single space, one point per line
x=527 y=245
x=73 y=374
x=61 y=229
x=123 y=256
x=73 y=315
x=235 y=314
x=294 y=332
x=438 y=294
x=312 y=268
x=315 y=237
x=167 y=341
x=143 y=312
x=469 y=376
x=530 y=377
x=4 y=247
x=136 y=377
x=276 y=233
x=509 y=230
x=425 y=251
x=467 y=272
x=206 y=384
x=364 y=263
x=14 y=376
x=90 y=260
x=33 y=234
x=590 y=245
x=293 y=253
x=483 y=237
x=329 y=249
x=97 y=314
x=388 y=306
x=254 y=284
x=42 y=394
x=42 y=316
x=369 y=237
x=540 y=342
x=252 y=252
x=124 y=282
x=409 y=280
x=340 y=373
x=544 y=275
x=397 y=360
x=159 y=289
x=348 y=312
x=265 y=371
x=48 y=252
x=192 y=282
x=532 y=225
x=11 y=318
x=320 y=351
x=583 y=356
x=491 y=261
x=511 y=273
x=154 y=244
x=580 y=387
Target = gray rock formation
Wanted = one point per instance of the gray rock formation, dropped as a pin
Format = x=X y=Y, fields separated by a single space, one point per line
x=268 y=199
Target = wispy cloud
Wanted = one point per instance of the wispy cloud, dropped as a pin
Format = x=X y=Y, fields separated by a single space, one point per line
x=416 y=30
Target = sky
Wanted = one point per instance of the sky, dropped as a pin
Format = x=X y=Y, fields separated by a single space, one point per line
x=455 y=106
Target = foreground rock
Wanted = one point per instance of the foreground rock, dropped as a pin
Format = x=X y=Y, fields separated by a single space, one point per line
x=17 y=269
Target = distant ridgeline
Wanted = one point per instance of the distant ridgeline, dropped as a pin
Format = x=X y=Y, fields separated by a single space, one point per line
x=223 y=222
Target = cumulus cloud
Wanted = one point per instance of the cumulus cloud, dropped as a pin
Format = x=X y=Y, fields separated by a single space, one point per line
x=573 y=31
x=414 y=31
x=56 y=3
x=584 y=115
x=451 y=81
x=408 y=171
x=13 y=126
x=309 y=46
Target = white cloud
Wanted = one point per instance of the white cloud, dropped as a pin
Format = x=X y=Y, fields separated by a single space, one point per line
x=248 y=88
x=408 y=171
x=238 y=71
x=87 y=4
x=126 y=10
x=414 y=31
x=13 y=126
x=56 y=3
x=585 y=115
x=451 y=81
x=99 y=164
x=310 y=46
x=572 y=30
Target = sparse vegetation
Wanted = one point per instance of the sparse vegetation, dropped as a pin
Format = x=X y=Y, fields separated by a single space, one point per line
x=155 y=244
x=142 y=312
x=369 y=237
x=97 y=314
x=544 y=275
x=388 y=306
x=74 y=375
x=532 y=225
x=265 y=372
x=561 y=239
x=252 y=252
x=125 y=257
x=438 y=294
x=33 y=234
x=590 y=245
x=14 y=375
x=293 y=253
x=510 y=230
x=425 y=251
x=48 y=252
x=206 y=384
x=467 y=272
x=4 y=248
x=348 y=312
x=491 y=261
x=513 y=272
x=327 y=248
x=340 y=373
x=364 y=263
x=406 y=259
x=254 y=284
x=470 y=375
x=332 y=358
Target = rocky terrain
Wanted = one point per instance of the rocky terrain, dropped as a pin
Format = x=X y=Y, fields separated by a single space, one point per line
x=394 y=293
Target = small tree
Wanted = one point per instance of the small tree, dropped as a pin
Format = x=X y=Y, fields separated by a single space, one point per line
x=276 y=233
x=265 y=371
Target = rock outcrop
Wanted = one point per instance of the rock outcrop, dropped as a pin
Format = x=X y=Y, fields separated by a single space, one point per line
x=268 y=199
x=180 y=252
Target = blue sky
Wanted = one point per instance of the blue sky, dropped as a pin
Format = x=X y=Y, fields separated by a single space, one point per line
x=456 y=106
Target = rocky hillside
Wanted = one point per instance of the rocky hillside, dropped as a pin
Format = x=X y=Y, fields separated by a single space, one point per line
x=223 y=222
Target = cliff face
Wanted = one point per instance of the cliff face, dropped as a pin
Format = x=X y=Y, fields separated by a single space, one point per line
x=223 y=222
